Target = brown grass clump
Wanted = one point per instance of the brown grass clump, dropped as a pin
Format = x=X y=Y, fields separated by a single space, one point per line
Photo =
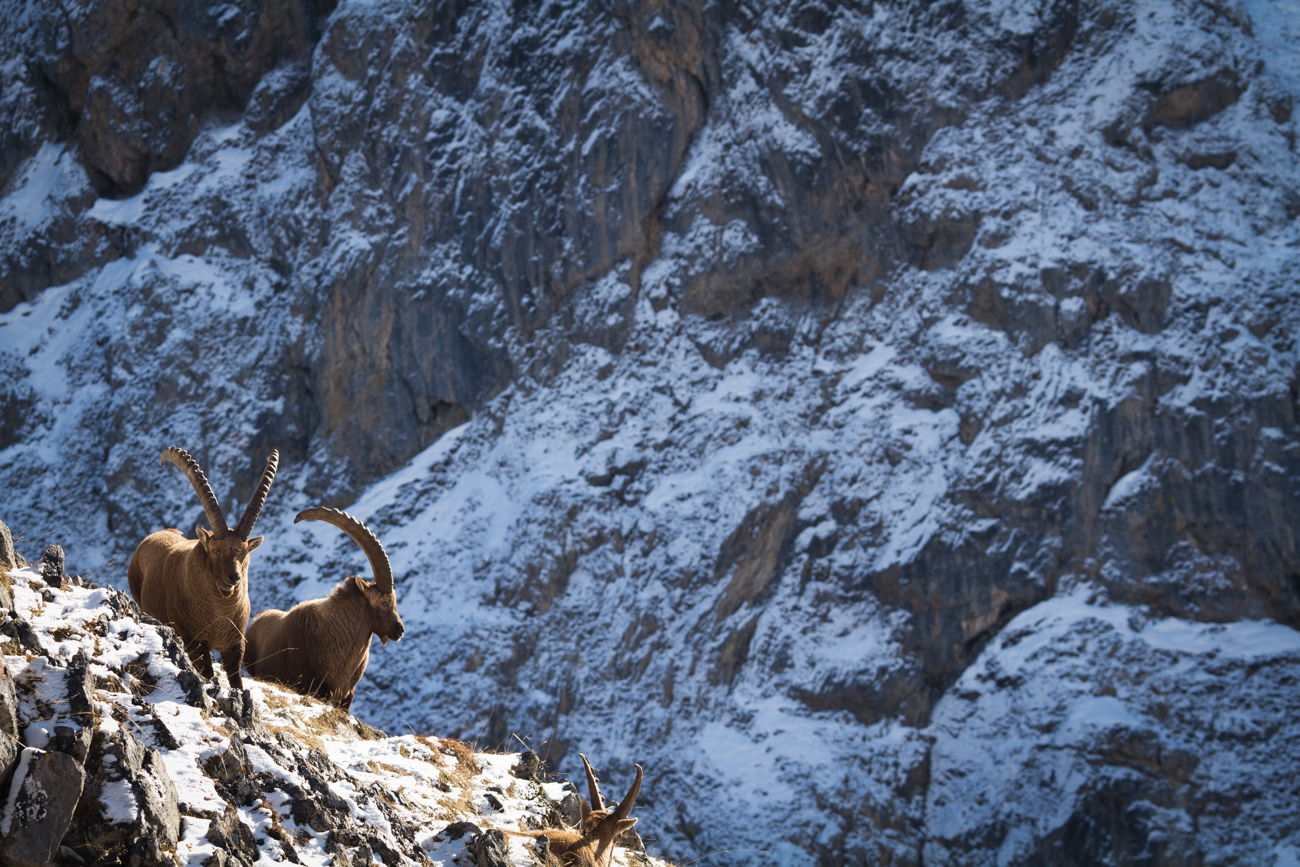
x=274 y=701
x=460 y=751
x=379 y=767
x=341 y=722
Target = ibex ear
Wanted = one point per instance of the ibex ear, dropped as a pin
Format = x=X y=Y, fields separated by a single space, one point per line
x=625 y=824
x=202 y=534
x=254 y=542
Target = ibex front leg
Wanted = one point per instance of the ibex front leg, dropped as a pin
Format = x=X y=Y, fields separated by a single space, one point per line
x=232 y=660
x=201 y=656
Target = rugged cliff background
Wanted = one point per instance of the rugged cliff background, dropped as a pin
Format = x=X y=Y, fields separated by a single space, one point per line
x=878 y=420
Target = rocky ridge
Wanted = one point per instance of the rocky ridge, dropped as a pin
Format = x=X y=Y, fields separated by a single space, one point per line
x=113 y=750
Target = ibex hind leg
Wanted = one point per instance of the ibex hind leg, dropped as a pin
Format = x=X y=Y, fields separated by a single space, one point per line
x=134 y=579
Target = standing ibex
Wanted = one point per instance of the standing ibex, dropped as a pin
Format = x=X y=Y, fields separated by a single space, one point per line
x=592 y=845
x=200 y=586
x=321 y=647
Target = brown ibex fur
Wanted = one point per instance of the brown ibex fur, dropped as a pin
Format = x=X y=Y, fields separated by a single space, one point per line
x=321 y=647
x=200 y=586
x=592 y=845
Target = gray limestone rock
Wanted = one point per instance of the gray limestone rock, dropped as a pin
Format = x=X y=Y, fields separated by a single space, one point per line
x=21 y=631
x=43 y=808
x=52 y=565
x=11 y=749
x=8 y=701
x=232 y=836
x=489 y=849
x=74 y=736
x=129 y=797
x=232 y=774
x=8 y=556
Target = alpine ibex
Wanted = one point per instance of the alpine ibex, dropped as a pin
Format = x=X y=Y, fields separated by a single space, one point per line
x=321 y=647
x=592 y=845
x=200 y=586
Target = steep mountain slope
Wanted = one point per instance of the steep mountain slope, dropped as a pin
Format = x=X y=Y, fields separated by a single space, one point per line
x=731 y=386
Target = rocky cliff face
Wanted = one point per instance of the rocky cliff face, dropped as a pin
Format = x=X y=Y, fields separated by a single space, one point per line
x=730 y=384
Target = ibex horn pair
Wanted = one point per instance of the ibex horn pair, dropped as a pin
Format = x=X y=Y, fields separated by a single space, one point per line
x=380 y=566
x=211 y=508
x=592 y=845
x=598 y=800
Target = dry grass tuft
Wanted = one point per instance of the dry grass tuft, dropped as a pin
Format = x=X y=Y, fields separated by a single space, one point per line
x=338 y=721
x=307 y=739
x=459 y=750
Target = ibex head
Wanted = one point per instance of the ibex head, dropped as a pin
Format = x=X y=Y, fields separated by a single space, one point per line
x=601 y=826
x=227 y=549
x=381 y=600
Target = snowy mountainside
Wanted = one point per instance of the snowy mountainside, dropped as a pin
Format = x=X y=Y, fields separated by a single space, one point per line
x=1149 y=721
x=278 y=778
x=724 y=409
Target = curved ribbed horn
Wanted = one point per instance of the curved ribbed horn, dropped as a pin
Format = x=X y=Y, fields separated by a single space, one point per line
x=625 y=805
x=207 y=499
x=593 y=785
x=255 y=505
x=360 y=534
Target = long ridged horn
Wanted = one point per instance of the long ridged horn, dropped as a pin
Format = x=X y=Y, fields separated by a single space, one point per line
x=207 y=499
x=593 y=785
x=625 y=805
x=254 y=508
x=360 y=534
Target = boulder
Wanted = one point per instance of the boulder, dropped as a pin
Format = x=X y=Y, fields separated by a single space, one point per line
x=42 y=807
x=52 y=565
x=8 y=556
x=74 y=736
x=232 y=774
x=489 y=849
x=21 y=631
x=8 y=701
x=10 y=750
x=530 y=766
x=130 y=803
x=232 y=837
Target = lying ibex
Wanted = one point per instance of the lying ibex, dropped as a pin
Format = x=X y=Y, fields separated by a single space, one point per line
x=592 y=845
x=321 y=647
x=200 y=586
